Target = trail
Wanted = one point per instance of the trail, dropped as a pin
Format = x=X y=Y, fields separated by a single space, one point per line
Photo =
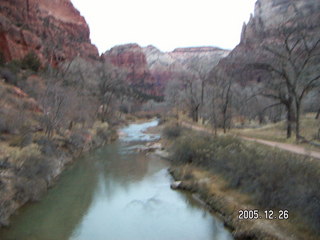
x=284 y=146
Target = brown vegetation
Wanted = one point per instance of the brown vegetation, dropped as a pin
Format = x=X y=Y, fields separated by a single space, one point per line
x=274 y=179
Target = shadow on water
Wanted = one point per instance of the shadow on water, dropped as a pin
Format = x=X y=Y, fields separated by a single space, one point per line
x=116 y=193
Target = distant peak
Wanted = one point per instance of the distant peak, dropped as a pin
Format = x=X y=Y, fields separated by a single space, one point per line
x=197 y=49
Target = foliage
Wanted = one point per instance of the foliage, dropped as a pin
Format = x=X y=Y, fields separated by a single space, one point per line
x=2 y=59
x=78 y=140
x=8 y=75
x=31 y=61
x=172 y=131
x=124 y=108
x=275 y=179
x=22 y=155
x=11 y=121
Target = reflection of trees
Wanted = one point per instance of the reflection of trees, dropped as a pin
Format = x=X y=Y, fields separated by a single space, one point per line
x=120 y=172
x=62 y=209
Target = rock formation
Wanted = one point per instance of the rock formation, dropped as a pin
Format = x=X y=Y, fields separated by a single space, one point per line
x=149 y=69
x=131 y=59
x=269 y=17
x=166 y=66
x=53 y=29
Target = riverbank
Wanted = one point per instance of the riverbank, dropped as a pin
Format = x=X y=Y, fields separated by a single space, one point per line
x=212 y=191
x=117 y=192
x=230 y=175
x=26 y=172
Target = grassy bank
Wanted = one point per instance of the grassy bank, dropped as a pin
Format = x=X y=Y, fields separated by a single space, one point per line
x=272 y=179
x=277 y=132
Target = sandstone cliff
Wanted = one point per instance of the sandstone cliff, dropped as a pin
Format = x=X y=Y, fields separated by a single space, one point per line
x=166 y=66
x=132 y=60
x=270 y=16
x=53 y=29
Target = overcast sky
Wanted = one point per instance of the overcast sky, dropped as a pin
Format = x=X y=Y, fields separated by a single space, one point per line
x=166 y=24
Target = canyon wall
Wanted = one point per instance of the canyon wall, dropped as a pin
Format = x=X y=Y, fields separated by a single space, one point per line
x=53 y=29
x=149 y=69
x=270 y=17
x=132 y=60
x=167 y=66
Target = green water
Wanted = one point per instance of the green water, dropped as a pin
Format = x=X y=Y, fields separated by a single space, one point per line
x=116 y=193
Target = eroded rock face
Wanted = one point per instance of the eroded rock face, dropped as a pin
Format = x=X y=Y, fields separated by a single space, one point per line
x=132 y=59
x=150 y=70
x=166 y=66
x=270 y=14
x=53 y=29
x=269 y=18
x=210 y=55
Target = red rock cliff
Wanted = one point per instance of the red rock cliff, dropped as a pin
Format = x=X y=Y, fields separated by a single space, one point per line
x=53 y=29
x=131 y=58
x=167 y=66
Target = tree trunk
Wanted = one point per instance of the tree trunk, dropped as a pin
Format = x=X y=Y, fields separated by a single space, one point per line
x=318 y=114
x=290 y=116
x=289 y=122
x=298 y=121
x=224 y=115
x=195 y=114
x=202 y=100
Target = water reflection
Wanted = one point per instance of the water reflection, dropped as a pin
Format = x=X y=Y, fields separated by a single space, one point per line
x=60 y=211
x=116 y=193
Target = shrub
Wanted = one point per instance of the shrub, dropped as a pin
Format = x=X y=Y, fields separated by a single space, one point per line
x=172 y=131
x=21 y=155
x=276 y=179
x=124 y=108
x=35 y=167
x=9 y=76
x=31 y=61
x=29 y=189
x=14 y=66
x=48 y=147
x=2 y=59
x=102 y=133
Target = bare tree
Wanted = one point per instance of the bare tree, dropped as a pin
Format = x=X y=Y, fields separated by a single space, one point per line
x=221 y=99
x=54 y=104
x=173 y=95
x=191 y=94
x=111 y=88
x=200 y=66
x=318 y=112
x=292 y=61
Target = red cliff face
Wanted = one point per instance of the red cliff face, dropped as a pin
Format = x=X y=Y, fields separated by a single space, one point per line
x=53 y=29
x=150 y=70
x=131 y=58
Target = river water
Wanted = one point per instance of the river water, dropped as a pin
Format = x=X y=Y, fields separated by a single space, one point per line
x=116 y=193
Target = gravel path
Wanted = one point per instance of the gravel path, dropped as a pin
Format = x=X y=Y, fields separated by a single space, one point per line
x=285 y=146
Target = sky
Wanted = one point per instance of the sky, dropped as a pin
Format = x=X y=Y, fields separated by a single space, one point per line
x=166 y=24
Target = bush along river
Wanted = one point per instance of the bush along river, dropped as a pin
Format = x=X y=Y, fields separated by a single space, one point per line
x=116 y=193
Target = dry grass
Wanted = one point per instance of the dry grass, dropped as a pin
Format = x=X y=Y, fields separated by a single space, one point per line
x=274 y=179
x=226 y=203
x=277 y=131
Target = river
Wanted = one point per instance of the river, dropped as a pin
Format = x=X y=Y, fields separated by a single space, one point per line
x=116 y=193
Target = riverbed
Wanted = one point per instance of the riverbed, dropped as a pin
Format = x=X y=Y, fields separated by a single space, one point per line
x=116 y=193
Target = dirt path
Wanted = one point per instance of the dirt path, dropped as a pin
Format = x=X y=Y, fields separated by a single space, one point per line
x=285 y=146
